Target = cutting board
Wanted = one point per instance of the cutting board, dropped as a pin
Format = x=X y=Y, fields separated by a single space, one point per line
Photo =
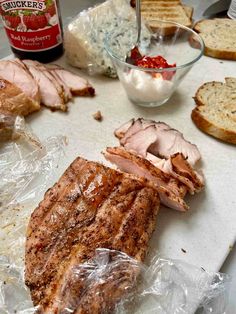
x=204 y=235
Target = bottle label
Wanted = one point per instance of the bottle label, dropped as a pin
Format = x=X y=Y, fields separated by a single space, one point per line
x=31 y=25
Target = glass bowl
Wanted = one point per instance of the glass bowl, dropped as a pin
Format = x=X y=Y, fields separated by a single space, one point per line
x=150 y=87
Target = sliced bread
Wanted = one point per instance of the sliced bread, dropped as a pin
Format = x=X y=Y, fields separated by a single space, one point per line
x=215 y=113
x=219 y=36
x=168 y=10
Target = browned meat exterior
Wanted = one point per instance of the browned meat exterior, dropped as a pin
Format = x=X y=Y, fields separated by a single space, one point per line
x=183 y=169
x=178 y=167
x=14 y=101
x=120 y=131
x=170 y=190
x=91 y=206
x=52 y=94
x=14 y=72
x=77 y=85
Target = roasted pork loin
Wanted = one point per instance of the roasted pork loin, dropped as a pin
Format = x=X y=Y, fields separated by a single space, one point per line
x=90 y=207
x=170 y=190
x=14 y=101
x=34 y=83
x=161 y=154
x=157 y=138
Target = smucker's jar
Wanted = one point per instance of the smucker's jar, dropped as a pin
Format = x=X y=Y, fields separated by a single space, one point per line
x=34 y=28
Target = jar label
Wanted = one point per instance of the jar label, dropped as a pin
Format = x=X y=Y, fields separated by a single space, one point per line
x=31 y=25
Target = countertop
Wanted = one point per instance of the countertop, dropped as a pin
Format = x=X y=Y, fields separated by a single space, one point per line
x=69 y=8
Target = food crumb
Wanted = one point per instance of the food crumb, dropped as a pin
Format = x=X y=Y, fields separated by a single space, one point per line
x=66 y=140
x=98 y=116
x=183 y=250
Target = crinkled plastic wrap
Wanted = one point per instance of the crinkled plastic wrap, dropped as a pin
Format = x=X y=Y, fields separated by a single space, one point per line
x=114 y=282
x=13 y=127
x=27 y=168
x=26 y=164
x=85 y=35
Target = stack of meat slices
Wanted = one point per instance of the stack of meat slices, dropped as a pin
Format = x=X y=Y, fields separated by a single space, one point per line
x=25 y=85
x=157 y=152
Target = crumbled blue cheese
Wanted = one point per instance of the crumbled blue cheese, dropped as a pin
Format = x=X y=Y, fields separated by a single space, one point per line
x=85 y=35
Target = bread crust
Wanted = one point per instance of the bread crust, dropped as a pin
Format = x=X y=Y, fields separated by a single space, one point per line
x=213 y=52
x=174 y=8
x=211 y=129
x=205 y=125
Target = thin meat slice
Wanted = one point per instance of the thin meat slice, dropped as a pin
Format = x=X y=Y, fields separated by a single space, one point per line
x=16 y=74
x=140 y=141
x=56 y=81
x=14 y=101
x=139 y=126
x=170 y=191
x=120 y=131
x=90 y=207
x=182 y=167
x=50 y=96
x=66 y=90
x=179 y=168
x=77 y=85
x=170 y=142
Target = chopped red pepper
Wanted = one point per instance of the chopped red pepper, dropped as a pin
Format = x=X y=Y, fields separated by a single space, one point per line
x=135 y=55
x=157 y=62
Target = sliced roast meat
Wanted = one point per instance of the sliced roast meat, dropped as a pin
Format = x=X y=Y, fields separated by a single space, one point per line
x=14 y=101
x=61 y=87
x=140 y=125
x=66 y=90
x=77 y=85
x=50 y=96
x=120 y=131
x=140 y=141
x=170 y=142
x=160 y=141
x=184 y=169
x=180 y=169
x=170 y=190
x=90 y=207
x=13 y=72
x=165 y=180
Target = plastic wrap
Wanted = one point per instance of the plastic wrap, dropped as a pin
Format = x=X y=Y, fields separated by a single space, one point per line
x=115 y=282
x=27 y=168
x=85 y=35
x=13 y=127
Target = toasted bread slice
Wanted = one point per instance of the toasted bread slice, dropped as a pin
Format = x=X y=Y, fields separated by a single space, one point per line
x=219 y=36
x=170 y=10
x=215 y=113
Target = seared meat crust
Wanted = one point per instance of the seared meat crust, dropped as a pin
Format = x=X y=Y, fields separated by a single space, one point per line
x=91 y=206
